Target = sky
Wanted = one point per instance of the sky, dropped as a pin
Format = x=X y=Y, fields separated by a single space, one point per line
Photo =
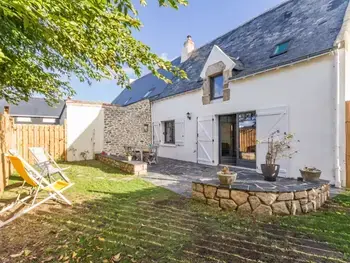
x=165 y=31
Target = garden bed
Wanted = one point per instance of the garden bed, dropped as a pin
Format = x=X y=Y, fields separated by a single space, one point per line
x=132 y=167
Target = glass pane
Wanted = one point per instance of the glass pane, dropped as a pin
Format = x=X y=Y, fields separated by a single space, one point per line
x=169 y=131
x=281 y=48
x=227 y=139
x=247 y=136
x=217 y=86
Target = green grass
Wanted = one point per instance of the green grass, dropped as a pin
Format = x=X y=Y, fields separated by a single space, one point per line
x=120 y=218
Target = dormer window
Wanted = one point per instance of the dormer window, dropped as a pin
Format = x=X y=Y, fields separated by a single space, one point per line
x=148 y=93
x=126 y=102
x=217 y=86
x=281 y=48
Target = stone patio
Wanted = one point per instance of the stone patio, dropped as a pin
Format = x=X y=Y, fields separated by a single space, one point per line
x=178 y=176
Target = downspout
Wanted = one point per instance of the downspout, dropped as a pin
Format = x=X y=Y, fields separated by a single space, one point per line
x=337 y=169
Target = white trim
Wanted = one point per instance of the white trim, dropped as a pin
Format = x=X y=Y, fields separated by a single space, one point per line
x=24 y=119
x=49 y=120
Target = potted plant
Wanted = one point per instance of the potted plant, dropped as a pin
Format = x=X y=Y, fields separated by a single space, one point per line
x=310 y=173
x=227 y=177
x=277 y=148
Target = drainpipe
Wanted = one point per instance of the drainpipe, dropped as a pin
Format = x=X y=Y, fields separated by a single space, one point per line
x=337 y=169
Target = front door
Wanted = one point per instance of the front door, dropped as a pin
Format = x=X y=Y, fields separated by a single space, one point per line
x=238 y=139
x=228 y=150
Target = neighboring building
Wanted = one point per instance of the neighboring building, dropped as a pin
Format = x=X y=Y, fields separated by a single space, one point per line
x=286 y=70
x=36 y=111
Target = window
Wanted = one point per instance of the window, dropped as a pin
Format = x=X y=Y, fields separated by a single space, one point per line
x=46 y=120
x=23 y=119
x=126 y=102
x=169 y=132
x=216 y=87
x=281 y=48
x=148 y=93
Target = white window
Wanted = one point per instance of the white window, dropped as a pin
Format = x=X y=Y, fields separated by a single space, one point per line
x=23 y=119
x=169 y=132
x=47 y=120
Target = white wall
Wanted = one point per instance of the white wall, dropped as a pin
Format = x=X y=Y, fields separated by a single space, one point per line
x=85 y=124
x=306 y=89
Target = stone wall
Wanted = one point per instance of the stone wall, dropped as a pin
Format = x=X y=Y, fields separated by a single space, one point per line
x=133 y=167
x=261 y=203
x=127 y=126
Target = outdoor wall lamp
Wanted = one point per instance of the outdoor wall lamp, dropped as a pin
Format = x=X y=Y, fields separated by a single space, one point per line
x=189 y=115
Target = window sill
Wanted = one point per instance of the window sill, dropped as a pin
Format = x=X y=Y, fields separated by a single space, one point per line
x=217 y=100
x=168 y=145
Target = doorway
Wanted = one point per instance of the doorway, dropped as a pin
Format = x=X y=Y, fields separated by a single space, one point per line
x=237 y=139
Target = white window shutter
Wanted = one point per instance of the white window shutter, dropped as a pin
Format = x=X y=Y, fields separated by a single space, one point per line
x=156 y=133
x=180 y=132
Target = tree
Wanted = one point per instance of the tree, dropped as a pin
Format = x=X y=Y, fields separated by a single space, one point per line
x=43 y=43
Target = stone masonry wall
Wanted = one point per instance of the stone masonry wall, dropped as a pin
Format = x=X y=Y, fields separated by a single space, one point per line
x=261 y=203
x=126 y=126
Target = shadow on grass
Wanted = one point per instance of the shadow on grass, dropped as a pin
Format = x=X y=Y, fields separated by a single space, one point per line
x=137 y=222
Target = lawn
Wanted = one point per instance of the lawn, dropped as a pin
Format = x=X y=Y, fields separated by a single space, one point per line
x=119 y=218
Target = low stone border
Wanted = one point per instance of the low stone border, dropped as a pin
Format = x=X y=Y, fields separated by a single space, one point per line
x=261 y=203
x=133 y=167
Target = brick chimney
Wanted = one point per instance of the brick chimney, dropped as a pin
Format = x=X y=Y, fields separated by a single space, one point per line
x=187 y=49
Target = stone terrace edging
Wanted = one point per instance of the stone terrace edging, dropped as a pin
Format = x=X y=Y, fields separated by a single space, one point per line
x=261 y=203
x=133 y=167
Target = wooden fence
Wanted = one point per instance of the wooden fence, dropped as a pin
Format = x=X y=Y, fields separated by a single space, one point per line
x=23 y=136
x=347 y=132
x=247 y=140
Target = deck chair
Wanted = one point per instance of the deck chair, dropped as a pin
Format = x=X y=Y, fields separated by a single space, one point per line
x=47 y=164
x=38 y=184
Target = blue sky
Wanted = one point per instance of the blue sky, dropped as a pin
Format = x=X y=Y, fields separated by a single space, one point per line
x=165 y=31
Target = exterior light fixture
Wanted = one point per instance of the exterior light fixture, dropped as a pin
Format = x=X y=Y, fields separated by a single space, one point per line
x=189 y=115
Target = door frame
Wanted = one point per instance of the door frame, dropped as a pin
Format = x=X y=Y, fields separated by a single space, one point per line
x=238 y=162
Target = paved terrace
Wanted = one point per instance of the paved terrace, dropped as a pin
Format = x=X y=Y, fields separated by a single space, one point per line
x=178 y=176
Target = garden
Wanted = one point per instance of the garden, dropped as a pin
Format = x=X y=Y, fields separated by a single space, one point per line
x=118 y=217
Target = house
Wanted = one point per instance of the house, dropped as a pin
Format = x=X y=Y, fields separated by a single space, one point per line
x=286 y=70
x=36 y=111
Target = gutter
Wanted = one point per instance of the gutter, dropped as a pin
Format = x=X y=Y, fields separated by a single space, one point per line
x=337 y=168
x=287 y=64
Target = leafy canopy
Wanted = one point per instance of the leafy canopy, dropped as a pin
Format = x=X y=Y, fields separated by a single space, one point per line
x=43 y=43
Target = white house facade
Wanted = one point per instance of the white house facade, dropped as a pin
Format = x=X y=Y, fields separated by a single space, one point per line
x=286 y=70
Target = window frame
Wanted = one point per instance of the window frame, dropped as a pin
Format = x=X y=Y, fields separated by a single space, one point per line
x=212 y=86
x=172 y=139
x=289 y=41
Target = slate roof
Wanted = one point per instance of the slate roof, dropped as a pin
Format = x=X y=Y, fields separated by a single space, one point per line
x=35 y=107
x=311 y=26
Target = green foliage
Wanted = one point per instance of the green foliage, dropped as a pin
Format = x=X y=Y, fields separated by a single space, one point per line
x=44 y=43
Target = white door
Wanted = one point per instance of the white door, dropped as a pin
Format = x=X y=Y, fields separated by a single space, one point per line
x=267 y=122
x=205 y=140
x=156 y=133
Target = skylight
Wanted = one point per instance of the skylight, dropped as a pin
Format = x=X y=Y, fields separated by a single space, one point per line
x=126 y=102
x=281 y=48
x=148 y=93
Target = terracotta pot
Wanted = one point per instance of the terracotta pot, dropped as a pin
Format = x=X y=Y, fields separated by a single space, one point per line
x=310 y=175
x=227 y=179
x=270 y=171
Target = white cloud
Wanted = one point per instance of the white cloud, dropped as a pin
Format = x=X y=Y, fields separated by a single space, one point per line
x=164 y=56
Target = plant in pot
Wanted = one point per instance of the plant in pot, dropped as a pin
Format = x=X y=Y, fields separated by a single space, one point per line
x=227 y=177
x=128 y=155
x=278 y=147
x=310 y=173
